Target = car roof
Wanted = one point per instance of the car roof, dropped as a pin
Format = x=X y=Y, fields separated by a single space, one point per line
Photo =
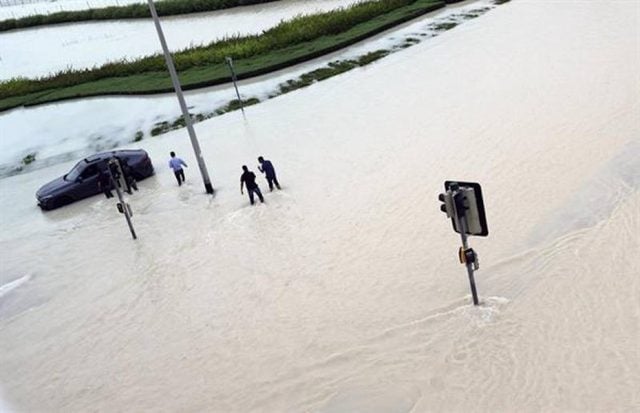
x=109 y=154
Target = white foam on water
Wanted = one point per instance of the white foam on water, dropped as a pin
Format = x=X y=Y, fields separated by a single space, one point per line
x=10 y=286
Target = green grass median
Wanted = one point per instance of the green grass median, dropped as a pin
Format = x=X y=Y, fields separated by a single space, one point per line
x=287 y=44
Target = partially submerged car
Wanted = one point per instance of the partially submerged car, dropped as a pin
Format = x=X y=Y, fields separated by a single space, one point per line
x=82 y=181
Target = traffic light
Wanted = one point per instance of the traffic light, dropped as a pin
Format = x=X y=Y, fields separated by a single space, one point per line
x=447 y=204
x=462 y=202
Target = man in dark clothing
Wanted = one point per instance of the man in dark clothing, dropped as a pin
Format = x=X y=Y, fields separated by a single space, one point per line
x=104 y=183
x=248 y=178
x=266 y=167
x=128 y=177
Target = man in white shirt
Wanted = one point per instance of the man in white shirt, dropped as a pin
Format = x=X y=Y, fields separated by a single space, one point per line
x=176 y=164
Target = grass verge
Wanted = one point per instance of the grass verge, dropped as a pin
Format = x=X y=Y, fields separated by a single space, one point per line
x=289 y=43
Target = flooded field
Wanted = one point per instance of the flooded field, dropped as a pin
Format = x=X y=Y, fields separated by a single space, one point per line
x=14 y=9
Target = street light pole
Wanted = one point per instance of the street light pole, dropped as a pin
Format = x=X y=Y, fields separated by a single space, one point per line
x=235 y=81
x=185 y=112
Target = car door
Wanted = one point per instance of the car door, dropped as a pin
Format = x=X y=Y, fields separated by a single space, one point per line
x=87 y=183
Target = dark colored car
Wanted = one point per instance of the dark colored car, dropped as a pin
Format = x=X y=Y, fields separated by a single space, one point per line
x=82 y=181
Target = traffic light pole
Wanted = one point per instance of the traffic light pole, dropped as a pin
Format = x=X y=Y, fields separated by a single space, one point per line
x=462 y=202
x=125 y=207
x=185 y=112
x=469 y=265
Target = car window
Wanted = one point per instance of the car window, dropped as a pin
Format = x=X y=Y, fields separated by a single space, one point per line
x=76 y=171
x=89 y=171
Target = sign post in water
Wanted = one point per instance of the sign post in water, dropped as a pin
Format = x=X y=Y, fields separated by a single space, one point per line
x=463 y=203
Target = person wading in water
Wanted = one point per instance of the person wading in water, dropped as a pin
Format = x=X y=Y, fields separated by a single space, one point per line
x=176 y=164
x=248 y=178
x=266 y=167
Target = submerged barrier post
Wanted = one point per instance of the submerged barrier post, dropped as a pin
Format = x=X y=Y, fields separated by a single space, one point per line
x=183 y=105
x=235 y=81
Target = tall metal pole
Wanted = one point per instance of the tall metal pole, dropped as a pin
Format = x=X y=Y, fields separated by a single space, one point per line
x=185 y=112
x=235 y=81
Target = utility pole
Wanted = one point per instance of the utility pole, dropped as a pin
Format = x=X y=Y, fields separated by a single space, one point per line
x=185 y=112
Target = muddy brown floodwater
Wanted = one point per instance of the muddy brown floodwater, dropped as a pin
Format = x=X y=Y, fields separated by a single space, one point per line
x=343 y=292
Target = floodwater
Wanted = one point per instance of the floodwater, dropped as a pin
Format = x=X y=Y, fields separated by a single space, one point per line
x=13 y=9
x=44 y=50
x=343 y=292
